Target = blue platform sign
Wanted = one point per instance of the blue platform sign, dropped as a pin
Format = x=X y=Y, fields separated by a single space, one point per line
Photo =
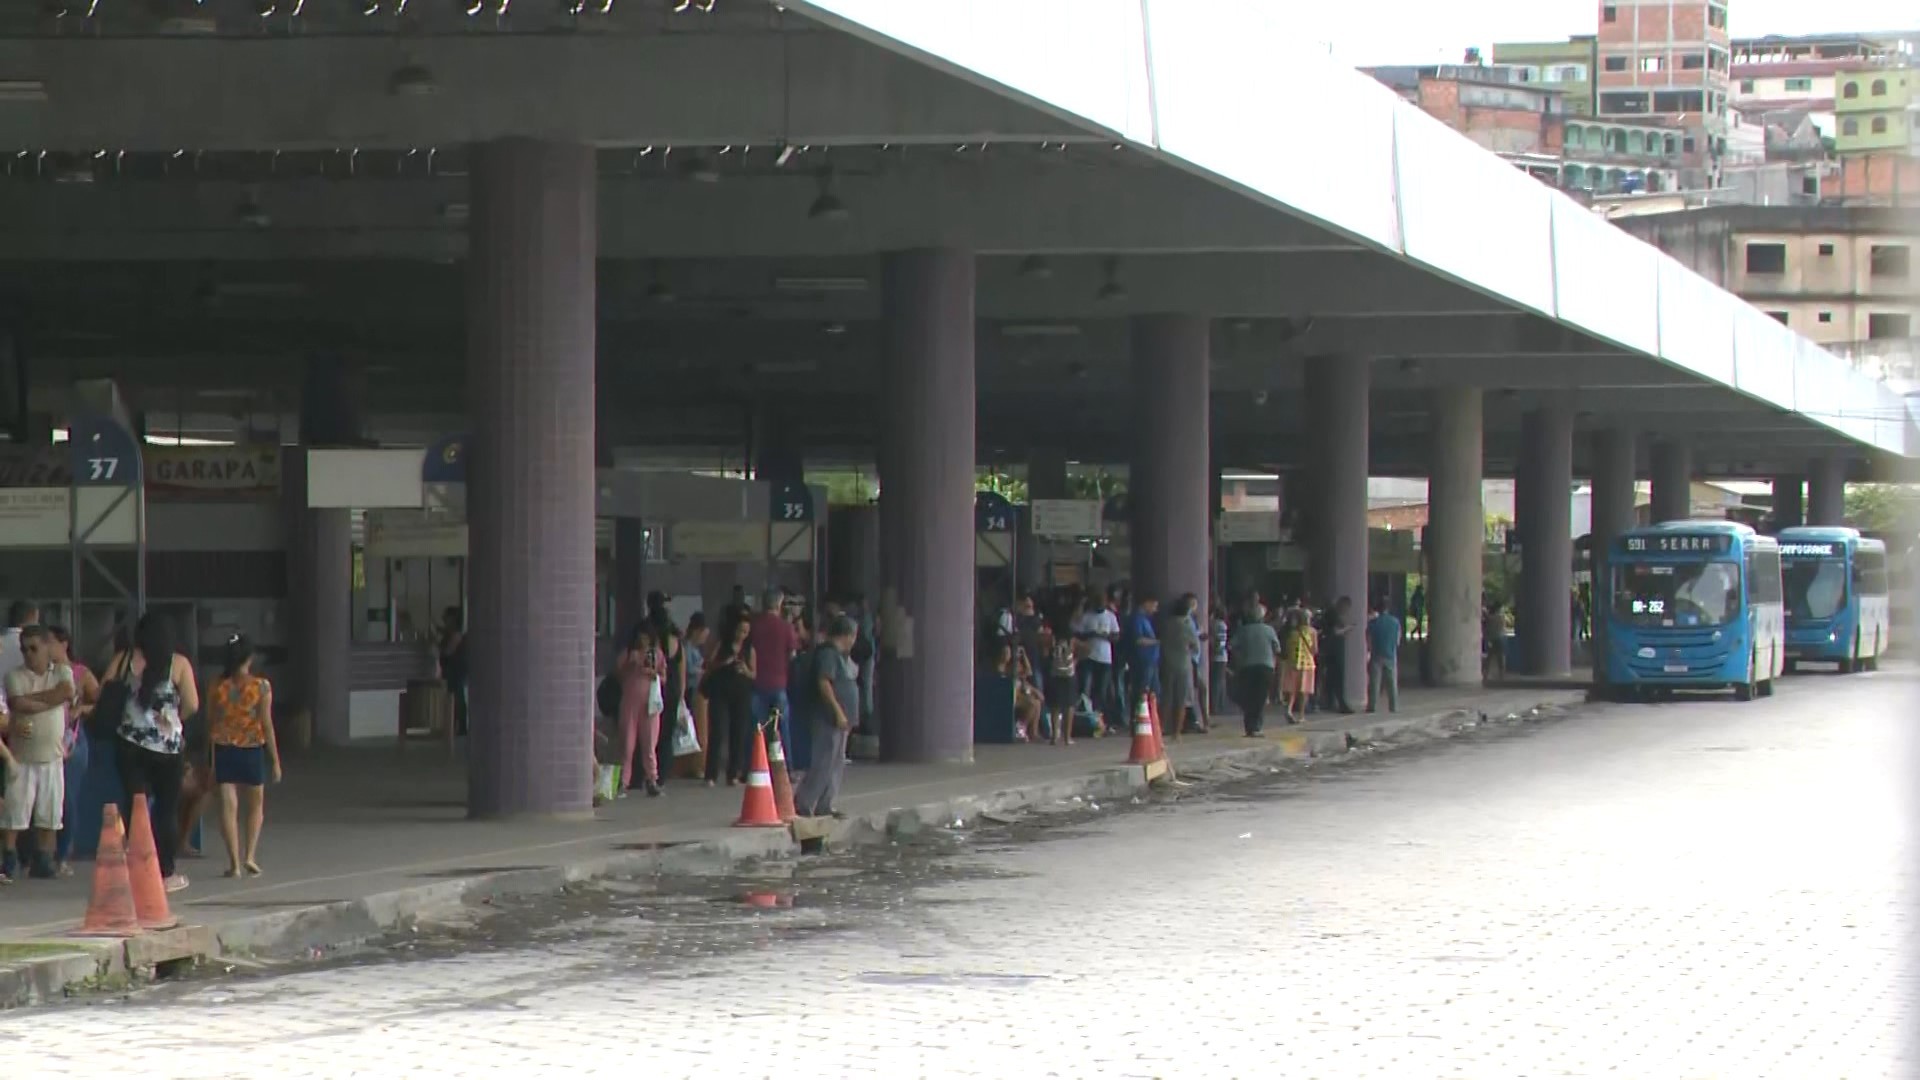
x=790 y=502
x=446 y=461
x=103 y=453
x=992 y=513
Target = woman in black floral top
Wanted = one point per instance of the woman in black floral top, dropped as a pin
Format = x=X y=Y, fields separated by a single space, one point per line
x=153 y=732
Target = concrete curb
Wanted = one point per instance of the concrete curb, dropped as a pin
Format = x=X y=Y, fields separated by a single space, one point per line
x=308 y=930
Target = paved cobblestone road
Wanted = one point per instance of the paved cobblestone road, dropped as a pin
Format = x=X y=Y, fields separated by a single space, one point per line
x=1687 y=890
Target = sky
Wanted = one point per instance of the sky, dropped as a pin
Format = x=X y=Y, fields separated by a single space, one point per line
x=1432 y=31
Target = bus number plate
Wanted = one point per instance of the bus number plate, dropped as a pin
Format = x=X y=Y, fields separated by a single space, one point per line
x=1676 y=669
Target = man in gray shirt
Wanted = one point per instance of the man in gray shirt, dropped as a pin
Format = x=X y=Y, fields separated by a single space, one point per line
x=834 y=680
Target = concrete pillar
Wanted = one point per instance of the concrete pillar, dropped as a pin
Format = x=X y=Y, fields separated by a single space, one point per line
x=530 y=506
x=1671 y=464
x=1167 y=476
x=1614 y=471
x=925 y=677
x=1543 y=492
x=1827 y=491
x=1336 y=519
x=320 y=561
x=1789 y=507
x=1456 y=538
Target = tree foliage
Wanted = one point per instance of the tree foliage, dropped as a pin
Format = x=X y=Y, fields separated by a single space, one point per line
x=1879 y=508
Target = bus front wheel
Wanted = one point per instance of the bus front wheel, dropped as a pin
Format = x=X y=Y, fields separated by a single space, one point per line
x=1746 y=691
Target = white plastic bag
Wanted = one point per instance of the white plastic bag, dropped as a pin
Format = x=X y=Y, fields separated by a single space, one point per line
x=606 y=785
x=686 y=738
x=655 y=706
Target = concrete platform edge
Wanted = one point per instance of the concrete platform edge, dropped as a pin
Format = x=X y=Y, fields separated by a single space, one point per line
x=102 y=965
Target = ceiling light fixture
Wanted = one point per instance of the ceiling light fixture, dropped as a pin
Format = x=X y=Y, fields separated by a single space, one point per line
x=827 y=207
x=252 y=214
x=22 y=90
x=1040 y=330
x=820 y=284
x=412 y=80
x=1036 y=268
x=701 y=169
x=1110 y=288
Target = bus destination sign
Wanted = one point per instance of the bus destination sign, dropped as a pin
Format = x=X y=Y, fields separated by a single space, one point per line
x=1808 y=551
x=1678 y=543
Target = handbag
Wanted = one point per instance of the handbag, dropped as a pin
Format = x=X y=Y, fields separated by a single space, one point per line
x=110 y=708
x=686 y=738
x=655 y=704
x=607 y=696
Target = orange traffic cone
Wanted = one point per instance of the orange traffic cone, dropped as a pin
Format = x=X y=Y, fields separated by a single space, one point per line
x=1159 y=733
x=1144 y=746
x=777 y=771
x=110 y=911
x=143 y=871
x=756 y=806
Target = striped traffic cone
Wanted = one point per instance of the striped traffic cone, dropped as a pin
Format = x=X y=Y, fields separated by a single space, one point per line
x=777 y=769
x=110 y=911
x=757 y=808
x=1145 y=747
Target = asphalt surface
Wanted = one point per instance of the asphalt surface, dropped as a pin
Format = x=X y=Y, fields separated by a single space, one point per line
x=1692 y=889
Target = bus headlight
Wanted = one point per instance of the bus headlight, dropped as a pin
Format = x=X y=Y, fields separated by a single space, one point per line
x=1716 y=635
x=1833 y=636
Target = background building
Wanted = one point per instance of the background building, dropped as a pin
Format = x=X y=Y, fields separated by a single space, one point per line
x=1876 y=110
x=1667 y=59
x=1842 y=276
x=1490 y=104
x=1566 y=66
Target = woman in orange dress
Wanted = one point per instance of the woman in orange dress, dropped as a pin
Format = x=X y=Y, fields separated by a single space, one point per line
x=245 y=755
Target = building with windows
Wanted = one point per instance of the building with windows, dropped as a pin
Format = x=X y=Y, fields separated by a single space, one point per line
x=1836 y=274
x=1607 y=156
x=1876 y=108
x=1492 y=104
x=1667 y=60
x=1566 y=66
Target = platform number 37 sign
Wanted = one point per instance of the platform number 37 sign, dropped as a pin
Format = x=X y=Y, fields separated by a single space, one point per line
x=104 y=454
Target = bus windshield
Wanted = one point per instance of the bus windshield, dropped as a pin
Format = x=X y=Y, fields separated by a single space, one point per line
x=1677 y=594
x=1816 y=588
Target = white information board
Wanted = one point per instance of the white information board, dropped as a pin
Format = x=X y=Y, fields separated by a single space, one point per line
x=718 y=541
x=1065 y=519
x=1248 y=527
x=410 y=534
x=41 y=517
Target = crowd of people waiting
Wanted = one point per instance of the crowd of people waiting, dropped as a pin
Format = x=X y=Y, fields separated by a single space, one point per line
x=143 y=711
x=1082 y=662
x=701 y=694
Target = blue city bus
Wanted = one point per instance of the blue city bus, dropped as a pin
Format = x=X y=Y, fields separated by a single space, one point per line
x=1696 y=606
x=1838 y=608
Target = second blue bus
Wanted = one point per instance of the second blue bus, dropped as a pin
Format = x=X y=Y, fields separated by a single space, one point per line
x=1838 y=610
x=1696 y=606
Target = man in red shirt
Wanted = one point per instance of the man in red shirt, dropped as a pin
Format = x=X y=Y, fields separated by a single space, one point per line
x=774 y=643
